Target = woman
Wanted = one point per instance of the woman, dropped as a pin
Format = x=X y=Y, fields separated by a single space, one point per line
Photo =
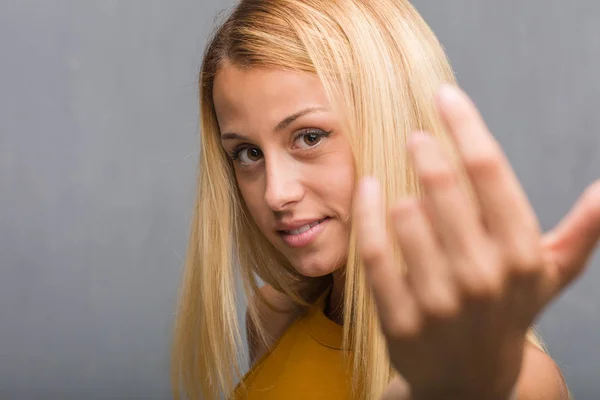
x=435 y=299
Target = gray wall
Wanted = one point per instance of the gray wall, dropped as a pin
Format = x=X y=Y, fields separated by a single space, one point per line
x=98 y=148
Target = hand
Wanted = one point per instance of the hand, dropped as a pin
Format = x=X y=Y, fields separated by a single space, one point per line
x=477 y=274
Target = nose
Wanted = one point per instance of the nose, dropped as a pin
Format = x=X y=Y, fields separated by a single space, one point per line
x=283 y=186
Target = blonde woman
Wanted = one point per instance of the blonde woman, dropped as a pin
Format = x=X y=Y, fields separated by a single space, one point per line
x=401 y=259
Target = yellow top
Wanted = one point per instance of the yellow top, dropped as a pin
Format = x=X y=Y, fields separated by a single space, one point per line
x=306 y=362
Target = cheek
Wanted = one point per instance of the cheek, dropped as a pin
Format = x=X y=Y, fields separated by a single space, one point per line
x=338 y=183
x=253 y=196
x=250 y=195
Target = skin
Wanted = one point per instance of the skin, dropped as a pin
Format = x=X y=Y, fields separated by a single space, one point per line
x=476 y=281
x=283 y=176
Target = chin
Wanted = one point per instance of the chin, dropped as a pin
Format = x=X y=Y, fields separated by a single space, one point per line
x=315 y=265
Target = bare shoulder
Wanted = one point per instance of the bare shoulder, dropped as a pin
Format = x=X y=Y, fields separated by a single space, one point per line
x=540 y=377
x=276 y=315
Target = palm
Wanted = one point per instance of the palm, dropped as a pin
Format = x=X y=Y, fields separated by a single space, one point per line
x=477 y=277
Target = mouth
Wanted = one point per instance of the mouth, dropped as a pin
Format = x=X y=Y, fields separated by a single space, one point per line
x=305 y=234
x=304 y=228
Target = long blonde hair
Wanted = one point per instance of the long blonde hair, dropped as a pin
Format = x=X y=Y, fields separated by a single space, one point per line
x=380 y=65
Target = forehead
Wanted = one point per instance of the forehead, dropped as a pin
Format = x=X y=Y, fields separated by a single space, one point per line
x=265 y=94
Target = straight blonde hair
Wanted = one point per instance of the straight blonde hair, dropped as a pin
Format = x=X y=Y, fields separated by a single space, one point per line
x=380 y=65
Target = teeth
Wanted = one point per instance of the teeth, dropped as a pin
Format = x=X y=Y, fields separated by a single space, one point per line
x=315 y=223
x=300 y=230
x=303 y=228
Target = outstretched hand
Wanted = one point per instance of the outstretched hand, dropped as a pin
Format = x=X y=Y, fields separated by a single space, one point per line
x=476 y=279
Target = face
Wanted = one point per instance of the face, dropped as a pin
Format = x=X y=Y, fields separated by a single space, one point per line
x=293 y=165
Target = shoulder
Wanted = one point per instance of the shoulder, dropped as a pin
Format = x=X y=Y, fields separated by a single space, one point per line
x=276 y=312
x=540 y=377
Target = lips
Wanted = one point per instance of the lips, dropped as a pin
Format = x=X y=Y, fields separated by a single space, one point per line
x=305 y=234
x=303 y=228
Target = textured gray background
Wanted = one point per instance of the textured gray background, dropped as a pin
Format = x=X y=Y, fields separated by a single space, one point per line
x=98 y=148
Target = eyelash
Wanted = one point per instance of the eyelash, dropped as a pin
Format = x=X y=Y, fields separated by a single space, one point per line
x=321 y=134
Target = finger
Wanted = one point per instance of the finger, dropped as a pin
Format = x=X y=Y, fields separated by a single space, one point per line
x=429 y=276
x=570 y=244
x=456 y=223
x=505 y=210
x=396 y=306
x=454 y=220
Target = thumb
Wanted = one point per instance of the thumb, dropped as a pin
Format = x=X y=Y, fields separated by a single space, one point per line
x=571 y=243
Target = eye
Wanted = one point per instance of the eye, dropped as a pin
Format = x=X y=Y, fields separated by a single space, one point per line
x=310 y=138
x=247 y=155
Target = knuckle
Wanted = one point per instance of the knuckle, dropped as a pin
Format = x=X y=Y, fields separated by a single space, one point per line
x=441 y=305
x=486 y=285
x=439 y=178
x=485 y=163
x=525 y=262
x=405 y=327
x=372 y=252
x=463 y=244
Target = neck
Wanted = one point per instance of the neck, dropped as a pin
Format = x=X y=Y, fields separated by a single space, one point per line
x=334 y=307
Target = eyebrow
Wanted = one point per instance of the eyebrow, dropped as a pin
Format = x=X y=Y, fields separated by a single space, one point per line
x=280 y=126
